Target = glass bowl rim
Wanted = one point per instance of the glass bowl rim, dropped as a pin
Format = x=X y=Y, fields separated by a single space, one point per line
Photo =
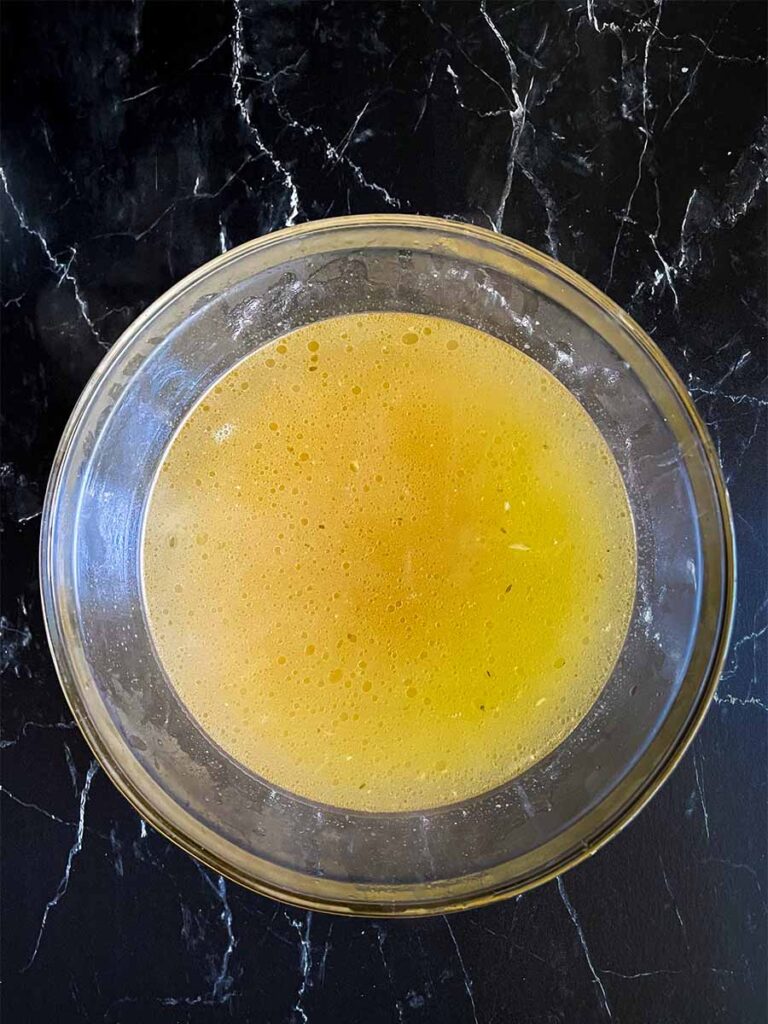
x=73 y=690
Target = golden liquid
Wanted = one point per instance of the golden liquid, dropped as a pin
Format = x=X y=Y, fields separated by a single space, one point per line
x=389 y=562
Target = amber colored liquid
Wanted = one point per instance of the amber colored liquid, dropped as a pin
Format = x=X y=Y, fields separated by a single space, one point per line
x=389 y=562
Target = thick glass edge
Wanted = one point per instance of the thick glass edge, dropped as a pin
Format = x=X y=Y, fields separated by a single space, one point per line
x=418 y=905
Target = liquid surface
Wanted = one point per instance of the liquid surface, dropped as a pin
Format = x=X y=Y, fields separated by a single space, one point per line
x=389 y=562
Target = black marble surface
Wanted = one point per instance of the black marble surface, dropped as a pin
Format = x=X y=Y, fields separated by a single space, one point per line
x=139 y=140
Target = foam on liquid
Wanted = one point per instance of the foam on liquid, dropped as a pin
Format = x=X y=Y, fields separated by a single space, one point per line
x=389 y=562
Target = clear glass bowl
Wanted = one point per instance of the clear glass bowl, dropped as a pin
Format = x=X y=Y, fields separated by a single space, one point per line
x=499 y=843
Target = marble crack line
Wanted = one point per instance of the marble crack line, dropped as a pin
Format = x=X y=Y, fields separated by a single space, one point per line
x=380 y=941
x=220 y=992
x=736 y=366
x=144 y=92
x=736 y=866
x=63 y=270
x=700 y=791
x=727 y=58
x=241 y=103
x=690 y=86
x=36 y=807
x=517 y=117
x=646 y=134
x=267 y=78
x=667 y=272
x=692 y=77
x=550 y=210
x=196 y=193
x=592 y=19
x=682 y=258
x=501 y=112
x=223 y=980
x=697 y=389
x=478 y=67
x=729 y=698
x=210 y=53
x=73 y=852
x=749 y=638
x=723 y=216
x=324 y=957
x=425 y=95
x=224 y=243
x=749 y=441
x=138 y=6
x=583 y=942
x=625 y=217
x=161 y=1001
x=675 y=907
x=349 y=134
x=72 y=769
x=465 y=974
x=35 y=725
x=305 y=960
x=639 y=974
x=335 y=155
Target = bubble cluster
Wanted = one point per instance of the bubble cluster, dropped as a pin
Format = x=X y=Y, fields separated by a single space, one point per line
x=389 y=562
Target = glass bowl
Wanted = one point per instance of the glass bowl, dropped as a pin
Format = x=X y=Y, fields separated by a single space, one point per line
x=434 y=860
